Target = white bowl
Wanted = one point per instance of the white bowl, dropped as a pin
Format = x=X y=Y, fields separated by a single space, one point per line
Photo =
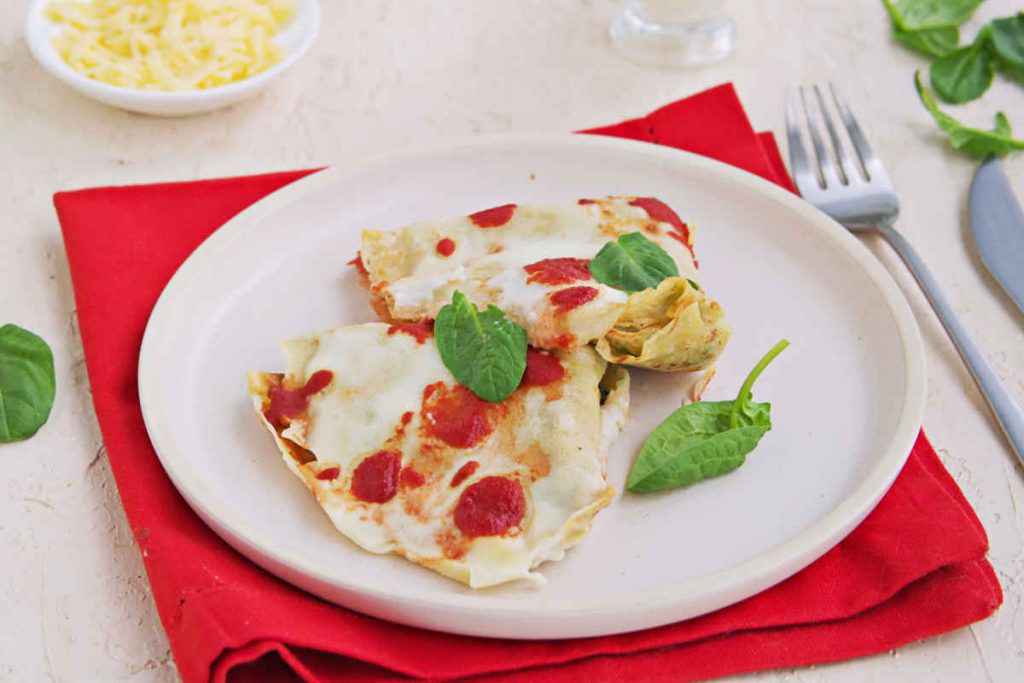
x=294 y=41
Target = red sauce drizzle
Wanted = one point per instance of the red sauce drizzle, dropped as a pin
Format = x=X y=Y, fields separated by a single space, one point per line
x=660 y=211
x=558 y=271
x=420 y=331
x=286 y=404
x=328 y=474
x=456 y=415
x=541 y=369
x=584 y=202
x=565 y=341
x=490 y=507
x=429 y=390
x=571 y=297
x=376 y=478
x=445 y=247
x=465 y=472
x=406 y=418
x=410 y=478
x=493 y=218
x=358 y=263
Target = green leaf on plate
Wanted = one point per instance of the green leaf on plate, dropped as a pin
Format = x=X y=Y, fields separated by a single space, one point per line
x=484 y=350
x=632 y=263
x=703 y=439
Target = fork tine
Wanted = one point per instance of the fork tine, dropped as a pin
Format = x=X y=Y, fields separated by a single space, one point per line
x=826 y=169
x=799 y=163
x=845 y=174
x=860 y=143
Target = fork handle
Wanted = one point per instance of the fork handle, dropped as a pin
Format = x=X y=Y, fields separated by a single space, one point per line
x=1006 y=411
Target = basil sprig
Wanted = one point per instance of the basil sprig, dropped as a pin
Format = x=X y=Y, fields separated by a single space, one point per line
x=703 y=439
x=923 y=15
x=632 y=263
x=27 y=383
x=964 y=74
x=484 y=350
x=978 y=143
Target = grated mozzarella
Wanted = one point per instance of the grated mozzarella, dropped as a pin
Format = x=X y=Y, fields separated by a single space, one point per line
x=169 y=44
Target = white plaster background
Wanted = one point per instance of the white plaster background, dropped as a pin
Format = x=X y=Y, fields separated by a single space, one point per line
x=74 y=601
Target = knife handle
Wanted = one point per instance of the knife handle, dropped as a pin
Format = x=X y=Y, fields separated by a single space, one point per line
x=1006 y=411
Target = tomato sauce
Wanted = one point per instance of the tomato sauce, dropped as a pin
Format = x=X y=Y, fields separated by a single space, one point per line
x=493 y=218
x=376 y=478
x=465 y=472
x=328 y=474
x=445 y=247
x=490 y=507
x=541 y=369
x=455 y=415
x=660 y=211
x=565 y=341
x=567 y=299
x=410 y=478
x=558 y=271
x=420 y=331
x=287 y=404
x=358 y=263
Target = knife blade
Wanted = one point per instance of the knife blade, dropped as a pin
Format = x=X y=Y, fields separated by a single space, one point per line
x=997 y=222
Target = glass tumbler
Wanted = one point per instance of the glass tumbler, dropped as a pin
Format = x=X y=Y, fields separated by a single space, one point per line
x=674 y=32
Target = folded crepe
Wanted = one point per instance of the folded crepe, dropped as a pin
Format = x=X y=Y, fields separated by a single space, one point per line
x=532 y=262
x=405 y=460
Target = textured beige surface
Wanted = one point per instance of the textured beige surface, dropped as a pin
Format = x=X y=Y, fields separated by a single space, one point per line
x=74 y=600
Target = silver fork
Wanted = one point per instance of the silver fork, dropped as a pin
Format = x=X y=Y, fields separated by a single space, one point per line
x=856 y=191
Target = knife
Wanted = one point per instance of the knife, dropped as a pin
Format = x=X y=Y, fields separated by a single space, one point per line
x=997 y=222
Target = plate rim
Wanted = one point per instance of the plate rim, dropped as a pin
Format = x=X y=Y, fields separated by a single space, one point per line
x=721 y=588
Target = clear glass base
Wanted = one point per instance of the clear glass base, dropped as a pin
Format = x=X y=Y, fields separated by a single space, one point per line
x=641 y=38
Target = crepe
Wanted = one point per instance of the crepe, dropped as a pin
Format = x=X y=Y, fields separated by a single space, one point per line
x=532 y=262
x=405 y=460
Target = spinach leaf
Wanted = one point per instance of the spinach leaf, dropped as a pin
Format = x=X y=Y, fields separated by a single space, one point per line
x=1007 y=39
x=934 y=42
x=703 y=439
x=916 y=15
x=965 y=74
x=485 y=351
x=978 y=143
x=632 y=263
x=27 y=383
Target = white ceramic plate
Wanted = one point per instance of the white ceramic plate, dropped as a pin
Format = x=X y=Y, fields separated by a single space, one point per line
x=294 y=41
x=847 y=396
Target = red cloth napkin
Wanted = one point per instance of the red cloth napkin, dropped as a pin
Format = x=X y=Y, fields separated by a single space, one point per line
x=914 y=568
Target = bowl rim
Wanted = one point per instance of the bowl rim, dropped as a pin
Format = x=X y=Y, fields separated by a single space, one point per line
x=37 y=36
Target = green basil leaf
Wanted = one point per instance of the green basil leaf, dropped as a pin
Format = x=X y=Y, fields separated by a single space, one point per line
x=1007 y=36
x=27 y=383
x=972 y=141
x=933 y=42
x=915 y=15
x=965 y=74
x=484 y=350
x=1007 y=39
x=632 y=263
x=693 y=284
x=703 y=439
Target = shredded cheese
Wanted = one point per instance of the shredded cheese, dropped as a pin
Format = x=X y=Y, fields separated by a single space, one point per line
x=169 y=44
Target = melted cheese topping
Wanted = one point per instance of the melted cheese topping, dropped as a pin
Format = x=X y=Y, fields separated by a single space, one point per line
x=487 y=265
x=551 y=439
x=169 y=44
